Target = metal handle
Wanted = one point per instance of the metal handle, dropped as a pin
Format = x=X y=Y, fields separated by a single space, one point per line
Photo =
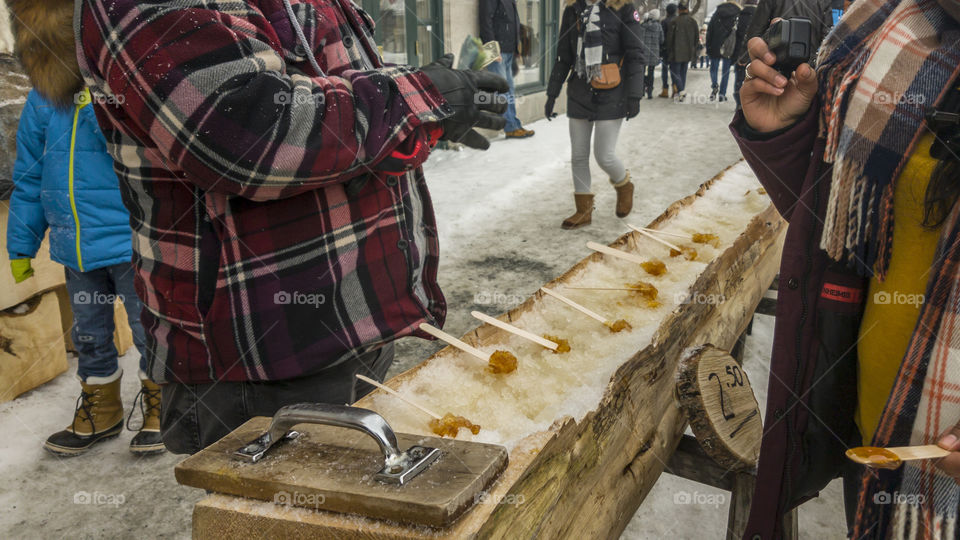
x=397 y=466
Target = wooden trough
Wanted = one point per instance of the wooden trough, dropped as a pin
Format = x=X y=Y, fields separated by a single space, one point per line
x=577 y=479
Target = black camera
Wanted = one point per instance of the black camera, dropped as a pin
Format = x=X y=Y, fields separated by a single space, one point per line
x=791 y=40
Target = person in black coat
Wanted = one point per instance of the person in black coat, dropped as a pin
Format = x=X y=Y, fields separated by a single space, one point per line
x=593 y=34
x=500 y=22
x=665 y=67
x=740 y=68
x=722 y=24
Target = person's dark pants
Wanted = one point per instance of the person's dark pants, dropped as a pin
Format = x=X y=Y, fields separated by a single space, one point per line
x=193 y=416
x=665 y=74
x=723 y=64
x=739 y=75
x=649 y=74
x=678 y=72
x=92 y=294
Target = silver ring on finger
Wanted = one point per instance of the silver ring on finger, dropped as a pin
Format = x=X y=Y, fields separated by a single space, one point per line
x=748 y=74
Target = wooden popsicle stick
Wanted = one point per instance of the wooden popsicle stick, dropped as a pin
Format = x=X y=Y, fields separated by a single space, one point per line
x=654 y=238
x=665 y=233
x=574 y=305
x=454 y=342
x=399 y=396
x=607 y=250
x=514 y=330
x=930 y=451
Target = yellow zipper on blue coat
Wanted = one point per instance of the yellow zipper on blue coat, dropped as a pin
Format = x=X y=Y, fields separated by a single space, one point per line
x=83 y=101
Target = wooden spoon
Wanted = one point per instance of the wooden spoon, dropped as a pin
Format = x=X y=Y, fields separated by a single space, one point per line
x=892 y=458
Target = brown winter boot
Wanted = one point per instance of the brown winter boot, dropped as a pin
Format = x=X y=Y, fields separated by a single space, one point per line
x=147 y=440
x=581 y=218
x=624 y=196
x=665 y=93
x=676 y=90
x=98 y=417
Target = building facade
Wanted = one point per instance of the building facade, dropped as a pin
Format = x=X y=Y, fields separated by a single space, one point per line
x=418 y=31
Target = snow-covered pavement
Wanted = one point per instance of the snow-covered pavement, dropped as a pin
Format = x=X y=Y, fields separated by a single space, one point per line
x=499 y=217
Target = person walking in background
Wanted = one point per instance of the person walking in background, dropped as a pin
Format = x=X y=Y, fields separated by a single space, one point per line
x=653 y=39
x=601 y=51
x=721 y=45
x=740 y=63
x=64 y=181
x=701 y=49
x=682 y=35
x=500 y=22
x=665 y=76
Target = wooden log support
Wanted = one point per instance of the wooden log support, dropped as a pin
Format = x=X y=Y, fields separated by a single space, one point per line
x=578 y=479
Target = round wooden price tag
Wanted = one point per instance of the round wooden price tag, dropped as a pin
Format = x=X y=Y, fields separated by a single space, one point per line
x=715 y=394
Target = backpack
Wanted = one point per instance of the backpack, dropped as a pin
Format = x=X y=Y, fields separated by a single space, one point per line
x=729 y=47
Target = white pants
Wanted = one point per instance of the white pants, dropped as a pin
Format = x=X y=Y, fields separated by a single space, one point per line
x=604 y=151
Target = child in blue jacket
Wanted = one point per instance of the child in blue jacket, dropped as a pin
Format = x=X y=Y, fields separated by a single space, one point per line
x=64 y=181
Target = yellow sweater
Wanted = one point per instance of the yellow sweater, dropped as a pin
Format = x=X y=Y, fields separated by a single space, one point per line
x=893 y=305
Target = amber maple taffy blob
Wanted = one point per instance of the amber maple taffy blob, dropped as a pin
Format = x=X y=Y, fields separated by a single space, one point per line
x=563 y=345
x=450 y=425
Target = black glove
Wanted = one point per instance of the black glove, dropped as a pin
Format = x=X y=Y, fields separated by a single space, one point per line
x=472 y=96
x=548 y=108
x=633 y=107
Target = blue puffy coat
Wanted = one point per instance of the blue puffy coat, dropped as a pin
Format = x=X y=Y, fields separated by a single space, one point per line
x=89 y=226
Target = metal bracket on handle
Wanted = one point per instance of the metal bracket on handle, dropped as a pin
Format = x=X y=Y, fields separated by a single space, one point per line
x=398 y=467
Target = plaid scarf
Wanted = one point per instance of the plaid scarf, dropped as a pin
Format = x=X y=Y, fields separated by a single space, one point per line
x=590 y=44
x=880 y=68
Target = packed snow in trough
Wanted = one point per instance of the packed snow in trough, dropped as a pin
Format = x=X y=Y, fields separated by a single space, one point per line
x=548 y=386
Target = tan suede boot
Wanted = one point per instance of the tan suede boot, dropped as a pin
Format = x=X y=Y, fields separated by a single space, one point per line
x=584 y=202
x=624 y=196
x=98 y=417
x=147 y=440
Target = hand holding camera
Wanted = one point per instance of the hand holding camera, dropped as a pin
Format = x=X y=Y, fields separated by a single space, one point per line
x=780 y=84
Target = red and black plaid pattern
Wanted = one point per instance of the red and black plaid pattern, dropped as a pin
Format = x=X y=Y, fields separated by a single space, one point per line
x=270 y=240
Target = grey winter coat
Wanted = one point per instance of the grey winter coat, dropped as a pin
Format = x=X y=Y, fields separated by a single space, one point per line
x=653 y=39
x=683 y=35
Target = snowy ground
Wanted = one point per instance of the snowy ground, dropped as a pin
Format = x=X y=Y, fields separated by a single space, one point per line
x=499 y=214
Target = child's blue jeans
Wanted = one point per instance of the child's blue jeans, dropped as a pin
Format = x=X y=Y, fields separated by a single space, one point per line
x=92 y=295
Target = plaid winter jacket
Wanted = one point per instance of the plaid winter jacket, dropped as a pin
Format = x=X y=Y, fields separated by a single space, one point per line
x=281 y=222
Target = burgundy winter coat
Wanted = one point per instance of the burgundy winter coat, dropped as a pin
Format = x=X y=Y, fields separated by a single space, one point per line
x=791 y=169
